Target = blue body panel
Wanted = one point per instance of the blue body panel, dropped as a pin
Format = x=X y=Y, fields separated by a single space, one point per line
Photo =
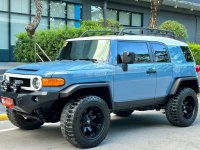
x=72 y=71
x=135 y=84
x=181 y=68
x=164 y=79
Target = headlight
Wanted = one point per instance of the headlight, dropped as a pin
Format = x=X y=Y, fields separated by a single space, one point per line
x=36 y=82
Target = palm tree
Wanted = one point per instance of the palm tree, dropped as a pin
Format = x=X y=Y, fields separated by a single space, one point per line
x=155 y=8
x=30 y=28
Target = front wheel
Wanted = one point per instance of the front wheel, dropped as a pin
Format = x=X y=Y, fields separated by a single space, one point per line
x=21 y=122
x=85 y=123
x=182 y=108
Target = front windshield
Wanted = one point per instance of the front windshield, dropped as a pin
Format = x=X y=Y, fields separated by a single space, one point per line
x=85 y=50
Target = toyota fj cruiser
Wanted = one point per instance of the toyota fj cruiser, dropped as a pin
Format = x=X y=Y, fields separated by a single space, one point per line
x=95 y=76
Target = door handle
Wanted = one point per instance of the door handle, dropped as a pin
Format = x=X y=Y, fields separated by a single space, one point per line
x=151 y=71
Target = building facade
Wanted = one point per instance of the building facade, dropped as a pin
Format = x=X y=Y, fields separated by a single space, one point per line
x=16 y=14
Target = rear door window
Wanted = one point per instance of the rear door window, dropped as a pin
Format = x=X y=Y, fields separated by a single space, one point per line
x=160 y=52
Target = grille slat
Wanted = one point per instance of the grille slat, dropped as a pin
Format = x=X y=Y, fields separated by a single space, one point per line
x=22 y=81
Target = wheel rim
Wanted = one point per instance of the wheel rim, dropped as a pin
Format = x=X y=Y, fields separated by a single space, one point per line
x=188 y=107
x=91 y=122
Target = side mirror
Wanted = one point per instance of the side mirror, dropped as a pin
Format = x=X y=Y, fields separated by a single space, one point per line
x=127 y=58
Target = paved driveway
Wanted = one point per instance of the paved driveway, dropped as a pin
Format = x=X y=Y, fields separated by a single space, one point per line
x=148 y=130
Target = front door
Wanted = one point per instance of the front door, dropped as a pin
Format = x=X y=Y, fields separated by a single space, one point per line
x=138 y=84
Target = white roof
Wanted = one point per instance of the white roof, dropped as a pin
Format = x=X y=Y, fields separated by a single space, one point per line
x=165 y=40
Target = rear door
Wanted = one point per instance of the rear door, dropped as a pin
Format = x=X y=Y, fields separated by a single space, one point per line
x=164 y=69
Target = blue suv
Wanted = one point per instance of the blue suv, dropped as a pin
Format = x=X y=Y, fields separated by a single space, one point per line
x=98 y=75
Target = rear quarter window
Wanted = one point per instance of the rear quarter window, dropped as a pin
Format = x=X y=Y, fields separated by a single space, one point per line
x=187 y=53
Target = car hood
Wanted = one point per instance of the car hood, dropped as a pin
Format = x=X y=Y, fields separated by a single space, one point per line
x=48 y=68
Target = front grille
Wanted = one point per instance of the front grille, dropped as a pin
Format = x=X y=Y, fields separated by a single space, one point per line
x=23 y=82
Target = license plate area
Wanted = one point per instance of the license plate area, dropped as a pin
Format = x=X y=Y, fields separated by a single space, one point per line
x=8 y=102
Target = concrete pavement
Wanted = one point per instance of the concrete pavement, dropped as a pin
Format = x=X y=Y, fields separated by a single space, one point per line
x=148 y=130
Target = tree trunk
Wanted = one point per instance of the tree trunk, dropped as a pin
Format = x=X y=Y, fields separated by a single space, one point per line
x=30 y=28
x=155 y=8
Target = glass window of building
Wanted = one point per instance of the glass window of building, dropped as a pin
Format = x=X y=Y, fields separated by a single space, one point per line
x=3 y=5
x=4 y=46
x=136 y=20
x=71 y=24
x=44 y=7
x=57 y=23
x=96 y=13
x=43 y=23
x=70 y=11
x=57 y=9
x=57 y=14
x=20 y=6
x=124 y=18
x=111 y=14
x=74 y=15
x=18 y=23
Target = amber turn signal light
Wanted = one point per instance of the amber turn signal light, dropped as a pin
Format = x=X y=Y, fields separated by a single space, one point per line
x=53 y=82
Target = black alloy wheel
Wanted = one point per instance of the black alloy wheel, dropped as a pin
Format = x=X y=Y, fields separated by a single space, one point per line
x=188 y=107
x=91 y=122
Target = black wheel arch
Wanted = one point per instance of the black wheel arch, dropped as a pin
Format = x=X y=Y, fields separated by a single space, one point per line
x=102 y=90
x=190 y=82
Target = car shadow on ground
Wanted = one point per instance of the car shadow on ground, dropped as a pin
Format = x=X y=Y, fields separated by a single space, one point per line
x=118 y=124
x=119 y=127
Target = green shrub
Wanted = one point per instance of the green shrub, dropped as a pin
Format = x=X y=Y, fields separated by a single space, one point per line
x=179 y=29
x=52 y=40
x=195 y=48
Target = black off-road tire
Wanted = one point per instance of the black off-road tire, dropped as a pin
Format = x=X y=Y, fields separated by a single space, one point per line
x=21 y=122
x=177 y=112
x=123 y=113
x=73 y=124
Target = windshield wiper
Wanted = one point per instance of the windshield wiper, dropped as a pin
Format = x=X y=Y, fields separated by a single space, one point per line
x=93 y=60
x=67 y=59
x=87 y=59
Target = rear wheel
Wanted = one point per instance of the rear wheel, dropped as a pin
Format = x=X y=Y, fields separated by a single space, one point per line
x=182 y=108
x=123 y=113
x=85 y=123
x=21 y=122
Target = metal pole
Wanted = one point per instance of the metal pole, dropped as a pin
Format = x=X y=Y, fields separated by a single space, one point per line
x=104 y=12
x=35 y=52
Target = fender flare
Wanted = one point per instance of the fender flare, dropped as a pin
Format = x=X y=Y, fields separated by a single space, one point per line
x=73 y=88
x=178 y=81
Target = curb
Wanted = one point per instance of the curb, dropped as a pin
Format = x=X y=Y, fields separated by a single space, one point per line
x=3 y=117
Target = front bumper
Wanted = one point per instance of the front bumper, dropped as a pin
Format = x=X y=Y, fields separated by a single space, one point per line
x=26 y=102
